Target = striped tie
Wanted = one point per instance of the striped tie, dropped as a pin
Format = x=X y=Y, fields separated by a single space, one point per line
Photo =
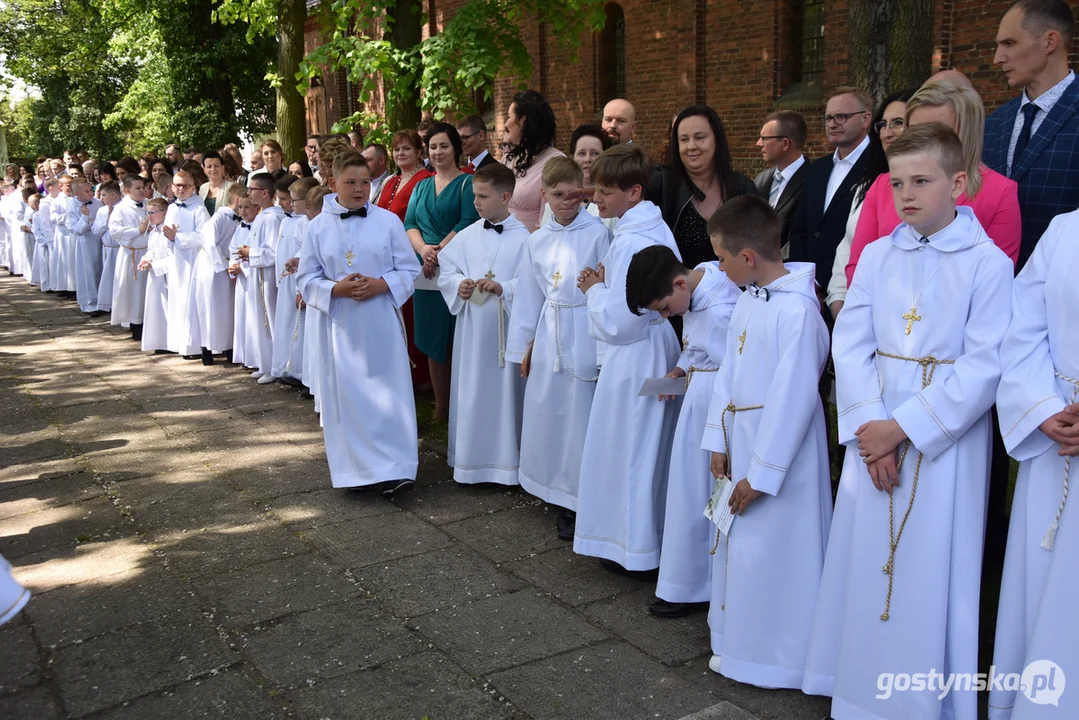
x=777 y=185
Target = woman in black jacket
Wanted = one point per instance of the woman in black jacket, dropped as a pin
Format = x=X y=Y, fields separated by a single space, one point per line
x=697 y=179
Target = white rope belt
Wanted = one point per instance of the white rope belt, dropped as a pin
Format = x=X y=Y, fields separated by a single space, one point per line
x=559 y=358
x=1051 y=533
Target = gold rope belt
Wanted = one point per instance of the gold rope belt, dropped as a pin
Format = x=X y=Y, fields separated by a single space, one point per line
x=733 y=410
x=693 y=370
x=929 y=365
x=134 y=265
x=1051 y=533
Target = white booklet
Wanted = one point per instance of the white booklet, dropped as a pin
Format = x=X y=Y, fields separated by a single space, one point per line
x=718 y=509
x=663 y=386
x=427 y=283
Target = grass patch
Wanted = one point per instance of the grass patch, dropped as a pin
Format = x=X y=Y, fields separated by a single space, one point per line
x=436 y=431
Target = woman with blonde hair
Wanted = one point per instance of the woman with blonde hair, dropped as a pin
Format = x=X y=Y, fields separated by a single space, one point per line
x=993 y=197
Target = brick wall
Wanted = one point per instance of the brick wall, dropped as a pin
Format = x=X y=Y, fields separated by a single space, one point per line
x=734 y=54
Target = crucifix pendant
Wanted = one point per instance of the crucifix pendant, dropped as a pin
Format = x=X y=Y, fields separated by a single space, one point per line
x=911 y=318
x=556 y=277
x=489 y=275
x=741 y=342
x=349 y=256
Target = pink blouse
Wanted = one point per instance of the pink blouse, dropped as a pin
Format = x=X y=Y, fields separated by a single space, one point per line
x=996 y=206
x=526 y=204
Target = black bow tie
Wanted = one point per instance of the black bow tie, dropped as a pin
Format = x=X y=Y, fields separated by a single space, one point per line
x=244 y=225
x=138 y=204
x=288 y=214
x=359 y=212
x=88 y=202
x=235 y=218
x=180 y=204
x=488 y=225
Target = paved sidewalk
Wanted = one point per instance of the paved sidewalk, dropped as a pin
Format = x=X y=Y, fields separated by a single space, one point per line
x=189 y=559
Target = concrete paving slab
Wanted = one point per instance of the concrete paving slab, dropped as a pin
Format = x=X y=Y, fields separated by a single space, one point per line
x=51 y=569
x=450 y=502
x=21 y=666
x=510 y=534
x=233 y=694
x=36 y=703
x=720 y=711
x=135 y=661
x=302 y=475
x=610 y=680
x=262 y=592
x=435 y=581
x=230 y=542
x=358 y=543
x=19 y=498
x=421 y=686
x=505 y=631
x=326 y=507
x=59 y=527
x=573 y=579
x=672 y=640
x=761 y=703
x=327 y=642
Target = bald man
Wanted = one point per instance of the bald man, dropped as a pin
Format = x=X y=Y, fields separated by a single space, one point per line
x=620 y=121
x=953 y=76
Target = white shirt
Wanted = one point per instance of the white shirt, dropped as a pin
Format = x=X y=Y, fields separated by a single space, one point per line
x=376 y=186
x=841 y=168
x=1045 y=102
x=780 y=178
x=475 y=162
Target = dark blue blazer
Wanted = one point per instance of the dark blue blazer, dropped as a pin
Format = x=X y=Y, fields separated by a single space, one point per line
x=1047 y=170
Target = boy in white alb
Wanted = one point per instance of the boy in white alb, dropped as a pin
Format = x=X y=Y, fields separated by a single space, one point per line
x=214 y=286
x=159 y=264
x=916 y=353
x=81 y=212
x=314 y=321
x=262 y=281
x=62 y=259
x=45 y=237
x=766 y=431
x=25 y=236
x=358 y=268
x=477 y=280
x=242 y=340
x=183 y=225
x=289 y=317
x=623 y=486
x=704 y=297
x=110 y=196
x=549 y=337
x=1039 y=420
x=128 y=226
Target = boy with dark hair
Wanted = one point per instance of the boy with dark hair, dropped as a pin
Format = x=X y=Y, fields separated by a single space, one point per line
x=704 y=296
x=110 y=195
x=917 y=366
x=621 y=495
x=262 y=283
x=767 y=435
x=128 y=226
x=478 y=282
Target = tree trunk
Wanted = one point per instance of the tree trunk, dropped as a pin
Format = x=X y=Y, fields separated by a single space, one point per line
x=891 y=44
x=291 y=112
x=406 y=31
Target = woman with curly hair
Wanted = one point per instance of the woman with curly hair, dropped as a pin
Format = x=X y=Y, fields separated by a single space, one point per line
x=530 y=134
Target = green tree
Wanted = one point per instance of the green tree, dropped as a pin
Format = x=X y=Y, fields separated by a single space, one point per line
x=891 y=44
x=377 y=43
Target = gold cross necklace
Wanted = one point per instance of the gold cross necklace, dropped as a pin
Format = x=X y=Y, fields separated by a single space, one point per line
x=912 y=316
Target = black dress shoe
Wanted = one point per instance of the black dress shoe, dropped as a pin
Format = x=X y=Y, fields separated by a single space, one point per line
x=392 y=487
x=191 y=357
x=565 y=524
x=228 y=356
x=649 y=575
x=97 y=313
x=207 y=357
x=136 y=332
x=664 y=609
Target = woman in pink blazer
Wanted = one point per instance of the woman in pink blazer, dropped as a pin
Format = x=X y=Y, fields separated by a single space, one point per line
x=993 y=197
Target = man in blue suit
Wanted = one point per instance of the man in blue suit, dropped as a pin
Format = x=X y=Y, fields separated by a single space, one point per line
x=1034 y=138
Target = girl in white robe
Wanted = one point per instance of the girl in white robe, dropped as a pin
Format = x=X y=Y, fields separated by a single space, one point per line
x=953 y=293
x=214 y=287
x=486 y=392
x=1040 y=382
x=26 y=241
x=158 y=264
x=685 y=566
x=109 y=250
x=184 y=220
x=368 y=409
x=766 y=571
x=62 y=259
x=550 y=321
x=262 y=290
x=44 y=234
x=627 y=446
x=126 y=225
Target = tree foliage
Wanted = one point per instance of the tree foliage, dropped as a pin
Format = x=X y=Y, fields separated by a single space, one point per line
x=443 y=73
x=115 y=76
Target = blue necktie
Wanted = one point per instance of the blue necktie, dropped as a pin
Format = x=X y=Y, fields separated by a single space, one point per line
x=1029 y=111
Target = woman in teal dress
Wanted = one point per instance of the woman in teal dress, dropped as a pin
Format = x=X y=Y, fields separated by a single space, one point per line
x=440 y=207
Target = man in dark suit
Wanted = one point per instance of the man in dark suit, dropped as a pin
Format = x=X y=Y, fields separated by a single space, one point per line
x=1034 y=138
x=473 y=132
x=821 y=220
x=781 y=141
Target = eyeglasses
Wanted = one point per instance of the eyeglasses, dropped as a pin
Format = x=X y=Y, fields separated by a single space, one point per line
x=842 y=118
x=893 y=125
x=466 y=138
x=181 y=186
x=774 y=137
x=312 y=147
